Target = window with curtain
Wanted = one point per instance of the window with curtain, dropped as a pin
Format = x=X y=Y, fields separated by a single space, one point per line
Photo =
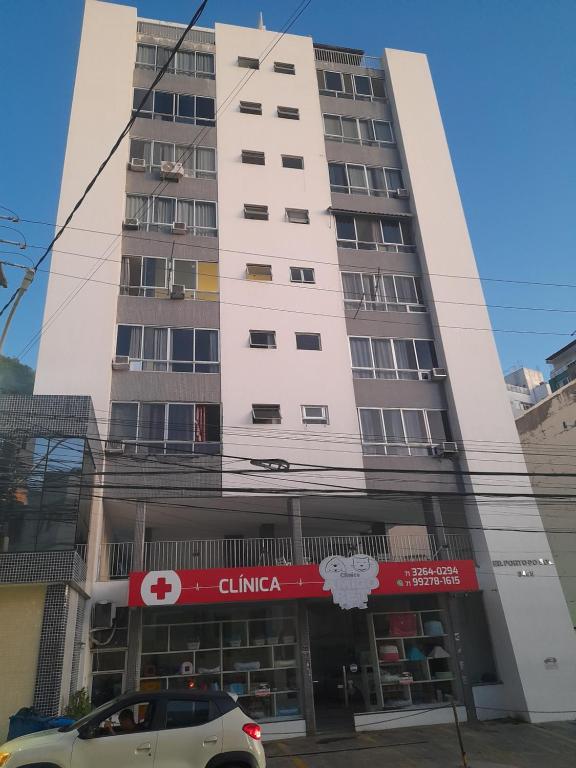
x=357 y=179
x=164 y=210
x=184 y=62
x=129 y=343
x=137 y=207
x=141 y=149
x=371 y=426
x=146 y=56
x=185 y=155
x=204 y=64
x=353 y=289
x=393 y=425
x=391 y=358
x=205 y=218
x=361 y=354
x=185 y=213
x=332 y=125
x=402 y=432
x=155 y=349
x=205 y=162
x=152 y=423
x=162 y=151
x=123 y=421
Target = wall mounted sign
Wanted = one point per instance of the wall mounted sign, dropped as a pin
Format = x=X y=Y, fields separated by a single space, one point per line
x=292 y=582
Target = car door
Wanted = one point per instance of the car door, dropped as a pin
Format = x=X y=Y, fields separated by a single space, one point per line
x=192 y=733
x=106 y=744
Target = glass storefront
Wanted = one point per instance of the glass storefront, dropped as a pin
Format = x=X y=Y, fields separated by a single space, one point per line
x=249 y=651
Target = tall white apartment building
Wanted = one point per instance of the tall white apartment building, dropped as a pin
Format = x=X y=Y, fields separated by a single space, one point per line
x=269 y=313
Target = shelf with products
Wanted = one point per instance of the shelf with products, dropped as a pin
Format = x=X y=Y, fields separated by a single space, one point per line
x=414 y=661
x=252 y=658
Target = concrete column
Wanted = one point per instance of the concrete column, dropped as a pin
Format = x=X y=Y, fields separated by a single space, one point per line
x=295 y=513
x=132 y=677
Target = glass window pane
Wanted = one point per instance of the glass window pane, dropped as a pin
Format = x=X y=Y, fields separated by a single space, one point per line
x=415 y=426
x=337 y=173
x=184 y=62
x=181 y=422
x=205 y=63
x=366 y=130
x=376 y=177
x=387 y=287
x=394 y=179
x=186 y=106
x=391 y=231
x=205 y=159
x=146 y=55
x=349 y=128
x=137 y=207
x=426 y=354
x=123 y=421
x=362 y=84
x=204 y=108
x=163 y=103
x=360 y=352
x=366 y=229
x=332 y=125
x=186 y=212
x=129 y=341
x=154 y=272
x=164 y=209
x=184 y=274
x=333 y=81
x=140 y=149
x=162 y=57
x=352 y=283
x=206 y=346
x=187 y=714
x=393 y=425
x=370 y=287
x=378 y=87
x=382 y=350
x=345 y=227
x=131 y=270
x=348 y=84
x=183 y=348
x=383 y=130
x=357 y=177
x=206 y=215
x=439 y=427
x=405 y=289
x=139 y=94
x=155 y=345
x=405 y=355
x=162 y=152
x=152 y=417
x=371 y=425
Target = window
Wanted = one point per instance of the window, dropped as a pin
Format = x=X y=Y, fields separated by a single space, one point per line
x=302 y=275
x=256 y=212
x=354 y=130
x=175 y=107
x=251 y=107
x=153 y=277
x=180 y=350
x=253 y=157
x=198 y=162
x=266 y=414
x=298 y=215
x=292 y=161
x=166 y=428
x=402 y=432
x=187 y=713
x=374 y=358
x=314 y=414
x=284 y=69
x=194 y=63
x=310 y=341
x=161 y=213
x=263 y=339
x=290 y=113
x=374 y=233
x=353 y=179
x=346 y=86
x=248 y=63
x=383 y=293
x=124 y=721
x=262 y=272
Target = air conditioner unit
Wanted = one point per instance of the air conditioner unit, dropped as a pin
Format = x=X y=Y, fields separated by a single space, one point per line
x=114 y=447
x=179 y=228
x=130 y=224
x=137 y=164
x=171 y=171
x=439 y=373
x=102 y=615
x=446 y=448
x=178 y=292
x=121 y=363
x=403 y=193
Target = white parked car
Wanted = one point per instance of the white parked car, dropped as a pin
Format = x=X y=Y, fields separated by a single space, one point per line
x=167 y=729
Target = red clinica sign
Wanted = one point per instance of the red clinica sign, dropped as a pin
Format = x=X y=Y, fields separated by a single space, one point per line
x=349 y=583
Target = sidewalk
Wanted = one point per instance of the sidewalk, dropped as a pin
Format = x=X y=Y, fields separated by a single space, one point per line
x=495 y=744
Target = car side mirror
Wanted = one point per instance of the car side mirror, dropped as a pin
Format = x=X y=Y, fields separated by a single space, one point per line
x=89 y=731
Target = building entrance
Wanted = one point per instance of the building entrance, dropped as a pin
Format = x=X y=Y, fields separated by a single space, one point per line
x=340 y=651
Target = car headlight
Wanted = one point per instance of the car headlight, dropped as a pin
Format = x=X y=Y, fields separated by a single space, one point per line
x=4 y=757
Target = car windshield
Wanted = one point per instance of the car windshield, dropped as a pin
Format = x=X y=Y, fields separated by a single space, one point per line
x=83 y=720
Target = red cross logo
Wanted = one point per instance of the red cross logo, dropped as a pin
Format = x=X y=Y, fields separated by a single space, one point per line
x=161 y=588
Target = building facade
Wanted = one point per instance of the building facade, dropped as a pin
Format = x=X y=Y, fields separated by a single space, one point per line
x=526 y=387
x=277 y=342
x=563 y=365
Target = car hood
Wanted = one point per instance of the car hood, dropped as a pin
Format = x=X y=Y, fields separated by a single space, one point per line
x=50 y=737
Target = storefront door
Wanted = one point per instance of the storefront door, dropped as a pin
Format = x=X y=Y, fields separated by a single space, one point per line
x=340 y=649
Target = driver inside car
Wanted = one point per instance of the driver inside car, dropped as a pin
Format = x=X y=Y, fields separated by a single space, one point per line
x=126 y=723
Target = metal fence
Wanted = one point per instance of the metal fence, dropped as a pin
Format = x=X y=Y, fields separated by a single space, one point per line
x=172 y=34
x=116 y=558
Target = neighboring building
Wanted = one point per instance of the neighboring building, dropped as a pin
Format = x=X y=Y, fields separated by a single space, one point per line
x=283 y=298
x=48 y=457
x=563 y=365
x=525 y=388
x=548 y=437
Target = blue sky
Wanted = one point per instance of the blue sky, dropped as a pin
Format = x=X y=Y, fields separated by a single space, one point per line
x=504 y=74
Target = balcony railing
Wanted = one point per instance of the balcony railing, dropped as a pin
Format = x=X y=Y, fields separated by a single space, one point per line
x=116 y=558
x=330 y=56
